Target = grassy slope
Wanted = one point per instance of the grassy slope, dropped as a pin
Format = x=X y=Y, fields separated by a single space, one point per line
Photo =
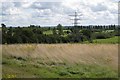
x=113 y=40
x=60 y=60
x=109 y=40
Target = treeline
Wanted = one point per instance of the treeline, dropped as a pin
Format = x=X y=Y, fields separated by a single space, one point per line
x=60 y=34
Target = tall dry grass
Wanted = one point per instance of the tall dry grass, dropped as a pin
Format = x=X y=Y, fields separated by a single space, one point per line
x=100 y=54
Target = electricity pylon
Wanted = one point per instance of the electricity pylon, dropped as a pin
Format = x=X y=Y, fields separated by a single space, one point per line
x=76 y=19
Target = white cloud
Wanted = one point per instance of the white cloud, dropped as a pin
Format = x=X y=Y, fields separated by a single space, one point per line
x=28 y=12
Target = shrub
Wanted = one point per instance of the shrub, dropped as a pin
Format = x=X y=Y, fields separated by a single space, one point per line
x=19 y=58
x=4 y=62
x=102 y=35
x=63 y=73
x=74 y=72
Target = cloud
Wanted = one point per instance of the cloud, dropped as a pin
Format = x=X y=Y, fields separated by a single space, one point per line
x=99 y=7
x=52 y=13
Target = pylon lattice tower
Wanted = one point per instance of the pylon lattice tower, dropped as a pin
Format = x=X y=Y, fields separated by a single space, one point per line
x=76 y=19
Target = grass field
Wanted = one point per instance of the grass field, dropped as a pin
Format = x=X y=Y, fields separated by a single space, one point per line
x=60 y=60
x=48 y=32
x=113 y=40
x=109 y=40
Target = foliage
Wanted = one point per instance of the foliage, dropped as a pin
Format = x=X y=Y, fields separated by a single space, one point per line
x=60 y=29
x=58 y=34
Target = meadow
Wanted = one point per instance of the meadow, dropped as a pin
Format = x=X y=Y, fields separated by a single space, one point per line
x=112 y=40
x=60 y=61
x=59 y=52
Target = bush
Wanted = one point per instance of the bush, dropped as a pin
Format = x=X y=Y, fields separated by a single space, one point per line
x=63 y=73
x=3 y=62
x=102 y=35
x=74 y=72
x=19 y=58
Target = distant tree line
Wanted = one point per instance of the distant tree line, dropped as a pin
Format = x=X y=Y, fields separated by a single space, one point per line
x=35 y=34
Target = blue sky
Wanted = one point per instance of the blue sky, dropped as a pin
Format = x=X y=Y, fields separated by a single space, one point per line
x=48 y=13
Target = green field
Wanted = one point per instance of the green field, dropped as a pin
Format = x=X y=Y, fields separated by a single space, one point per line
x=108 y=40
x=48 y=32
x=113 y=40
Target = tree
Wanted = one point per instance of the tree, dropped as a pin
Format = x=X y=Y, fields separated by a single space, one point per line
x=54 y=31
x=4 y=33
x=88 y=34
x=60 y=29
x=3 y=25
x=37 y=31
x=28 y=36
x=75 y=30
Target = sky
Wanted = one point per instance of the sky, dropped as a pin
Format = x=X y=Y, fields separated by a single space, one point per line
x=51 y=13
